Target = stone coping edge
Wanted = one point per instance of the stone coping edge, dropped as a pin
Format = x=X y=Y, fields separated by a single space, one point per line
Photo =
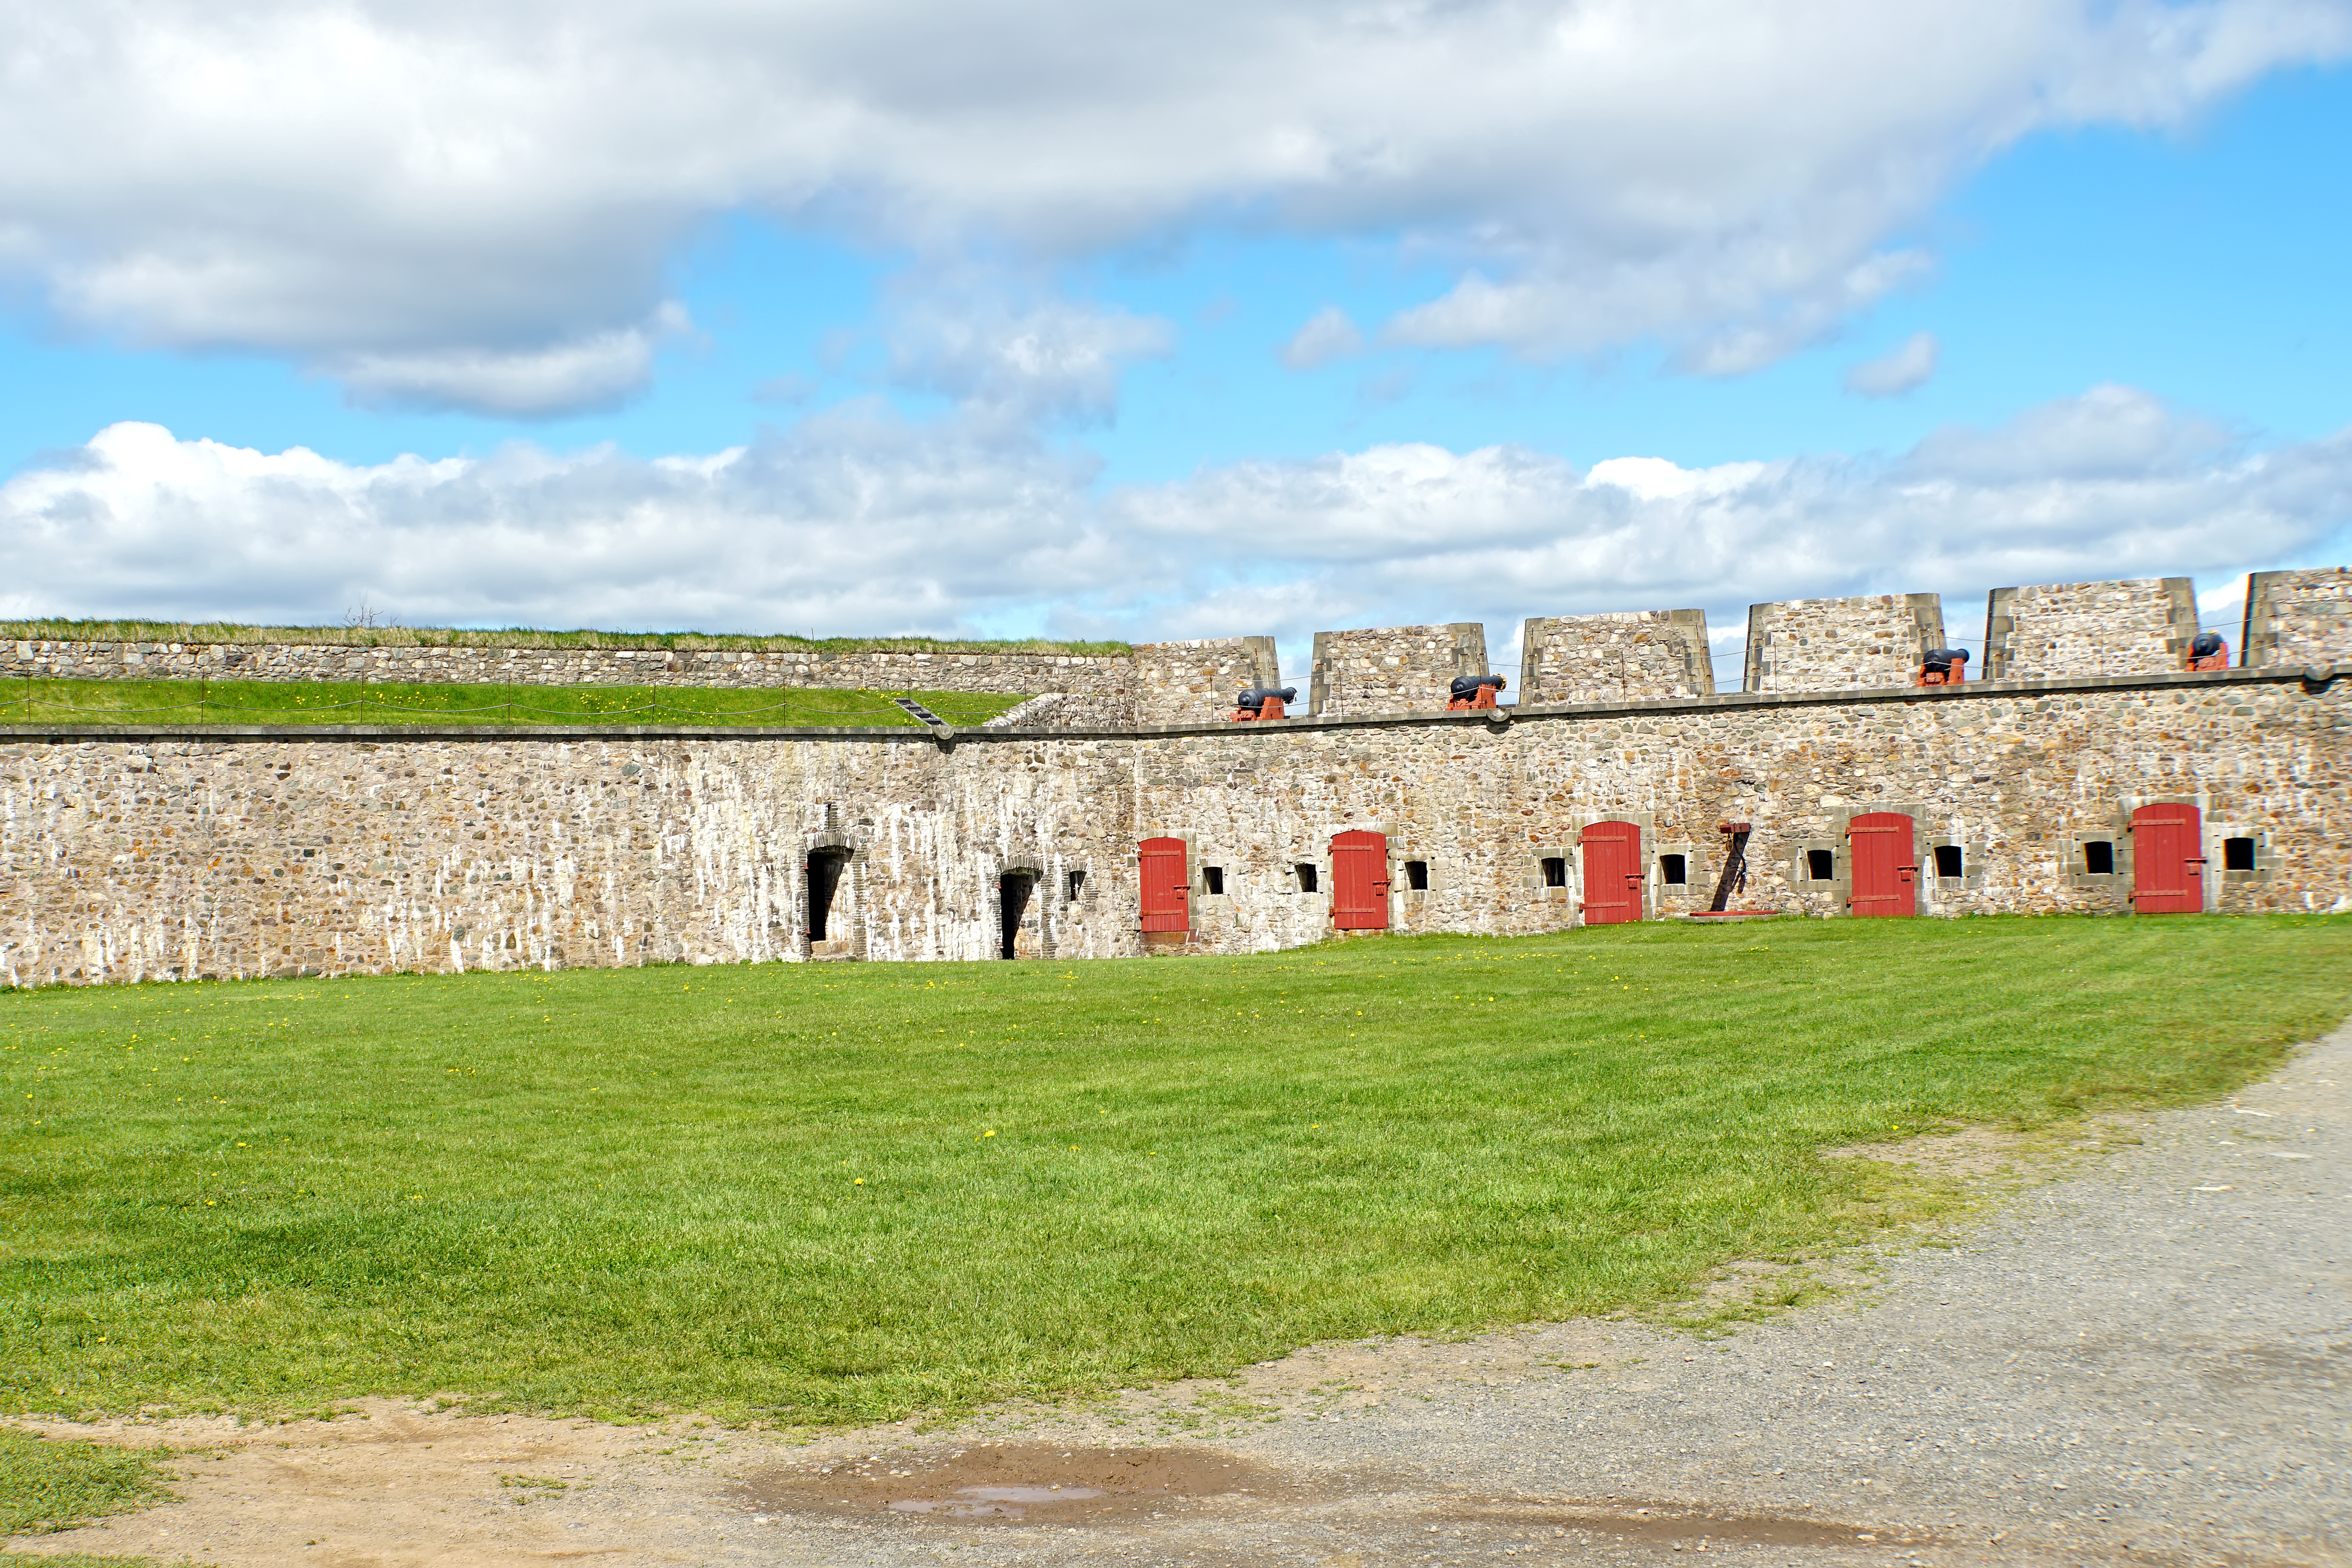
x=1496 y=719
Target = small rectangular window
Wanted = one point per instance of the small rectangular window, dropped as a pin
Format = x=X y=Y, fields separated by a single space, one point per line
x=1673 y=871
x=1416 y=876
x=1948 y=860
x=1820 y=866
x=1212 y=877
x=1077 y=885
x=1306 y=881
x=2099 y=858
x=2237 y=854
x=1554 y=869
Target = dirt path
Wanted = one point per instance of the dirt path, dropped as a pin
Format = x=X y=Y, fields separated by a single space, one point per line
x=2149 y=1361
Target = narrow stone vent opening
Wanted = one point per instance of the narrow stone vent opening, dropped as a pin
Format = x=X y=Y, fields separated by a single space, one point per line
x=2237 y=854
x=1212 y=879
x=1948 y=861
x=2099 y=858
x=1554 y=870
x=824 y=869
x=1014 y=889
x=1077 y=884
x=1673 y=871
x=1306 y=879
x=1820 y=866
x=1416 y=876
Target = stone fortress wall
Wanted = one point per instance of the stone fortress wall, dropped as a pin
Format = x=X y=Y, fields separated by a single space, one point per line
x=1598 y=658
x=174 y=852
x=873 y=670
x=2135 y=627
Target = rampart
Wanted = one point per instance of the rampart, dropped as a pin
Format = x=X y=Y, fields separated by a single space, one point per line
x=1393 y=669
x=1103 y=675
x=2298 y=617
x=171 y=853
x=1605 y=658
x=1832 y=644
x=2141 y=626
x=1177 y=683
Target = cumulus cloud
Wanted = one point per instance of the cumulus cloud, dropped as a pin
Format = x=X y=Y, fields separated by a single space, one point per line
x=860 y=521
x=466 y=203
x=1328 y=335
x=1905 y=368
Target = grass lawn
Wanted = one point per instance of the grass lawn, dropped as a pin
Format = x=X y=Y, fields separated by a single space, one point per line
x=829 y=1193
x=49 y=1486
x=378 y=702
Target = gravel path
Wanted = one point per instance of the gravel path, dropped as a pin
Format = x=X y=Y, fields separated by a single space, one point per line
x=2145 y=1362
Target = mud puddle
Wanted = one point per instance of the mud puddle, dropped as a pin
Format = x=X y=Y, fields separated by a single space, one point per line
x=1013 y=1483
x=1680 y=1524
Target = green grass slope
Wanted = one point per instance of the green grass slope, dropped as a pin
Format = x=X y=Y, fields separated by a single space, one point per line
x=375 y=703
x=831 y=1193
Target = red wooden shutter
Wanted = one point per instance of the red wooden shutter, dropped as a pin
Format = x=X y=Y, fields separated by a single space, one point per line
x=1167 y=891
x=1359 y=881
x=2168 y=860
x=1884 y=866
x=1612 y=873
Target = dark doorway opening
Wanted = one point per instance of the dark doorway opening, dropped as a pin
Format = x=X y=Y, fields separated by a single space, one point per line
x=2237 y=854
x=1673 y=871
x=824 y=869
x=1307 y=878
x=2099 y=858
x=1013 y=890
x=1416 y=876
x=1820 y=866
x=1948 y=861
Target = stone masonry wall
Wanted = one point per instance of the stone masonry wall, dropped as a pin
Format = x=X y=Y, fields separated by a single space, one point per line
x=2298 y=617
x=181 y=854
x=1189 y=682
x=1829 y=645
x=2142 y=626
x=879 y=671
x=1614 y=657
x=1393 y=669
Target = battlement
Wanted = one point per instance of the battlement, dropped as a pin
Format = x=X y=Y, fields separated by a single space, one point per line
x=1616 y=657
x=1388 y=669
x=2055 y=631
x=1835 y=644
x=2298 y=617
x=2138 y=627
x=1175 y=682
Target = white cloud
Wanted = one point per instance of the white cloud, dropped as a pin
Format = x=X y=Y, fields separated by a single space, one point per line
x=1328 y=335
x=1904 y=368
x=598 y=370
x=445 y=201
x=857 y=522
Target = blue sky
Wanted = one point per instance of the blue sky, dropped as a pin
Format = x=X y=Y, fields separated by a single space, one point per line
x=1053 y=395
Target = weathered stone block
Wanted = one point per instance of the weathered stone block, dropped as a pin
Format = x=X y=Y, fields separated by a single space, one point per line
x=2139 y=626
x=1393 y=669
x=1615 y=657
x=2298 y=617
x=1831 y=645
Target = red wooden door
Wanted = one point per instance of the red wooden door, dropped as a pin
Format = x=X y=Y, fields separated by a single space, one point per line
x=1166 y=890
x=1612 y=873
x=1359 y=881
x=1883 y=864
x=2168 y=860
